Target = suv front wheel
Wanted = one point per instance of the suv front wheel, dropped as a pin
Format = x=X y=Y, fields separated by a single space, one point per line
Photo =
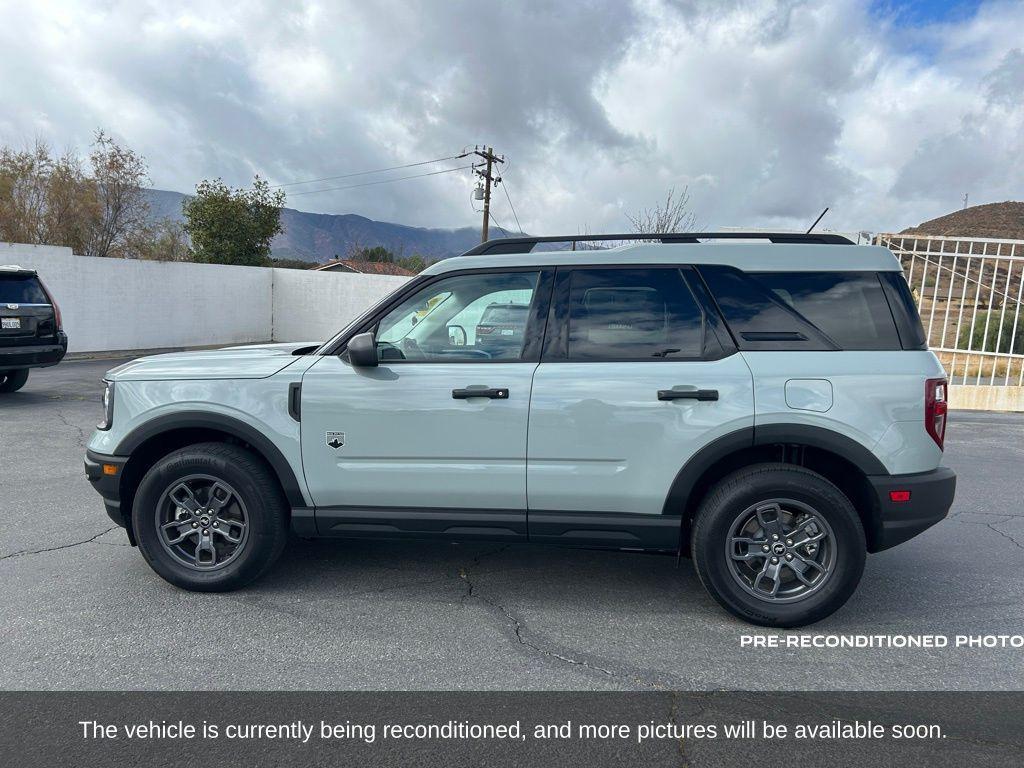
x=210 y=517
x=778 y=545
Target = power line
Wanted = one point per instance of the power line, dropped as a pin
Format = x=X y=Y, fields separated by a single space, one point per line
x=368 y=173
x=382 y=181
x=504 y=186
x=497 y=224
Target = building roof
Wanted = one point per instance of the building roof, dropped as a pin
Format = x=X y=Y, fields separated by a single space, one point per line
x=365 y=267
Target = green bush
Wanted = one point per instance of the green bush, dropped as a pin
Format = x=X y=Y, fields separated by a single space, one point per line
x=979 y=341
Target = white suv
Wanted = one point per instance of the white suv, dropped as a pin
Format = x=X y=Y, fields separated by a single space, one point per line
x=769 y=408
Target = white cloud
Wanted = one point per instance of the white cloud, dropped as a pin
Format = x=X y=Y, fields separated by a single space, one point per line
x=769 y=111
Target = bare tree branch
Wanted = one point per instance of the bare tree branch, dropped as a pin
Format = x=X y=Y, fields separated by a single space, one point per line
x=674 y=215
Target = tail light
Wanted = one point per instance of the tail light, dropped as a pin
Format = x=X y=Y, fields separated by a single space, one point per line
x=935 y=407
x=53 y=301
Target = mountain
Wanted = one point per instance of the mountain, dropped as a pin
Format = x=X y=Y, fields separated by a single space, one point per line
x=319 y=237
x=1001 y=220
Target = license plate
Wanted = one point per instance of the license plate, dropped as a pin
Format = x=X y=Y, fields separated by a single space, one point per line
x=10 y=322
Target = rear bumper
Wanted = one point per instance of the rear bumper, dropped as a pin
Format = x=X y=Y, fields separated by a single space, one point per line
x=931 y=496
x=38 y=356
x=107 y=485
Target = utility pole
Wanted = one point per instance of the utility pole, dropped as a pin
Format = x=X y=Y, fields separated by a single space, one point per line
x=484 y=171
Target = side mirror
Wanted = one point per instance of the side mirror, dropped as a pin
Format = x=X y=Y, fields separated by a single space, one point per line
x=456 y=335
x=362 y=350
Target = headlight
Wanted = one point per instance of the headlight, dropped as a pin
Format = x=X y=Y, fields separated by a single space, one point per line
x=108 y=406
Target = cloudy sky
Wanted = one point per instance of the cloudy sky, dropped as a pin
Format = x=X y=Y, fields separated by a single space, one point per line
x=888 y=112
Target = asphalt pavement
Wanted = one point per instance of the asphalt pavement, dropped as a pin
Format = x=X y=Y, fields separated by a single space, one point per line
x=82 y=610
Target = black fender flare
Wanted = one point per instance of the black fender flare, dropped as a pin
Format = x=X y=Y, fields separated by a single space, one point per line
x=823 y=438
x=768 y=434
x=231 y=426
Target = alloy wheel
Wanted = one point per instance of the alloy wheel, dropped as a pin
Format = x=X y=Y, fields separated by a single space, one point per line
x=781 y=550
x=202 y=522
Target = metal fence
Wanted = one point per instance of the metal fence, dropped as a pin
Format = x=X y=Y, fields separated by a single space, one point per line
x=969 y=293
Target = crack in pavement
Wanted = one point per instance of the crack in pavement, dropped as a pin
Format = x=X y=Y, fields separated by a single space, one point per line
x=1005 y=535
x=641 y=678
x=82 y=439
x=992 y=526
x=26 y=552
x=518 y=626
x=1007 y=517
x=704 y=700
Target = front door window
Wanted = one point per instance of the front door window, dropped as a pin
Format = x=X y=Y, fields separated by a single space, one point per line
x=477 y=317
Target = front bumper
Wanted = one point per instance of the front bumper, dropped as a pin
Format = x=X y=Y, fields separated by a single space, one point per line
x=107 y=483
x=39 y=356
x=931 y=496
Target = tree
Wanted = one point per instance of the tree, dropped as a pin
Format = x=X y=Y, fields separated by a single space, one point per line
x=378 y=253
x=52 y=200
x=415 y=263
x=233 y=226
x=119 y=209
x=672 y=216
x=165 y=240
x=24 y=191
x=292 y=264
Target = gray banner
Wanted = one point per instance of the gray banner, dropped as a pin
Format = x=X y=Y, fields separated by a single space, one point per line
x=510 y=729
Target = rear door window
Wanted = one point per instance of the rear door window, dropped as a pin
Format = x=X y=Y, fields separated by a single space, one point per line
x=633 y=314
x=17 y=289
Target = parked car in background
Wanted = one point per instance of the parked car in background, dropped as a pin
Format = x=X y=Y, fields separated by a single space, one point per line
x=30 y=327
x=501 y=328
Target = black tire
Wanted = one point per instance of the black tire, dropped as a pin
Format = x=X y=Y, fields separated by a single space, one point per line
x=256 y=489
x=764 y=488
x=12 y=381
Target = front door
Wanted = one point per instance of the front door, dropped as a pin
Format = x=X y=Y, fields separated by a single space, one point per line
x=633 y=383
x=433 y=439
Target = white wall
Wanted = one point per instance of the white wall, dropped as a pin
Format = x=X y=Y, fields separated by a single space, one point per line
x=313 y=306
x=117 y=304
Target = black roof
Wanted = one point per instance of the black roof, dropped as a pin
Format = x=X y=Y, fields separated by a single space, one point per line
x=527 y=244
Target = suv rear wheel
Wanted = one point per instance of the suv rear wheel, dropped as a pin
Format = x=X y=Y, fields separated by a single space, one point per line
x=210 y=517
x=778 y=545
x=12 y=381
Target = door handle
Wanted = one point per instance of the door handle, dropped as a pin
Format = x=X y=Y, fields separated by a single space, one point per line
x=687 y=394
x=498 y=393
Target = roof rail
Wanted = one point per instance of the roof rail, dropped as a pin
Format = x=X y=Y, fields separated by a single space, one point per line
x=527 y=244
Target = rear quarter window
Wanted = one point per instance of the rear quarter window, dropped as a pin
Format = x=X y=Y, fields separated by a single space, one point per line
x=18 y=289
x=804 y=310
x=849 y=307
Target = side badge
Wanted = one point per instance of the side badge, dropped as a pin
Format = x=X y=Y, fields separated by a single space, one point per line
x=335 y=439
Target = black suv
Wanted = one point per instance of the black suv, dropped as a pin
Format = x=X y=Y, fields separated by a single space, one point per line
x=30 y=329
x=501 y=328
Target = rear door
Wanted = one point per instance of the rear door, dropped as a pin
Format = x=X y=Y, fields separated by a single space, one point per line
x=636 y=377
x=26 y=314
